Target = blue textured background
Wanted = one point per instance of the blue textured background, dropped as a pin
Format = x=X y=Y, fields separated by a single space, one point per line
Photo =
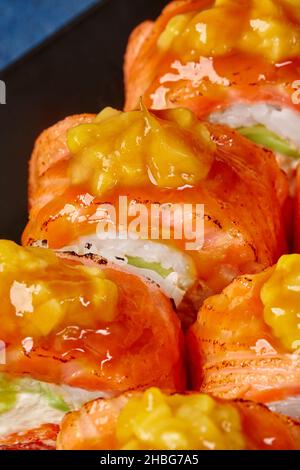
x=26 y=23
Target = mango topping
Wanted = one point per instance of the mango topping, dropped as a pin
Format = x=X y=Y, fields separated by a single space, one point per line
x=42 y=293
x=155 y=420
x=260 y=26
x=138 y=148
x=281 y=298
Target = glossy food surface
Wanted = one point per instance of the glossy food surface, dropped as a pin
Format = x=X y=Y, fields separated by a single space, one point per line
x=240 y=186
x=159 y=421
x=139 y=148
x=98 y=329
x=206 y=54
x=266 y=26
x=281 y=298
x=43 y=295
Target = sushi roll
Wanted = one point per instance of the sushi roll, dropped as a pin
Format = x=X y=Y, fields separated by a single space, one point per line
x=231 y=62
x=84 y=166
x=154 y=420
x=246 y=341
x=73 y=331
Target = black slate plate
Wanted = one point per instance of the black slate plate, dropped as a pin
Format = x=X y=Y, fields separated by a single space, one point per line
x=78 y=70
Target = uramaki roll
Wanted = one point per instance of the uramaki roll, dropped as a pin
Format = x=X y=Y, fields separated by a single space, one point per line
x=231 y=62
x=246 y=341
x=162 y=160
x=73 y=330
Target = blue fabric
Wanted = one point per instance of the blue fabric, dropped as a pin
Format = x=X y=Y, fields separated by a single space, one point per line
x=25 y=23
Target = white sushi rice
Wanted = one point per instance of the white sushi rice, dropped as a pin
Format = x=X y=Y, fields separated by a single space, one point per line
x=32 y=409
x=182 y=271
x=289 y=407
x=284 y=122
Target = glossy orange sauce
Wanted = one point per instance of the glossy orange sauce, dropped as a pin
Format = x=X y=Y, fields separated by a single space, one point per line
x=280 y=296
x=228 y=51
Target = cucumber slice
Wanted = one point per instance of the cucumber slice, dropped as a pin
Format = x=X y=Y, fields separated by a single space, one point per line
x=11 y=386
x=262 y=136
x=8 y=393
x=7 y=401
x=157 y=267
x=54 y=399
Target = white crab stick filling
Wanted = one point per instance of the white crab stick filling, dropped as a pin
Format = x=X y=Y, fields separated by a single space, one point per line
x=42 y=403
x=284 y=122
x=171 y=269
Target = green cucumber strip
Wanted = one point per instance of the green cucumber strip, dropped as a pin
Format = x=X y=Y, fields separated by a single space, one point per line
x=262 y=136
x=54 y=399
x=8 y=393
x=157 y=267
x=7 y=401
x=11 y=386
